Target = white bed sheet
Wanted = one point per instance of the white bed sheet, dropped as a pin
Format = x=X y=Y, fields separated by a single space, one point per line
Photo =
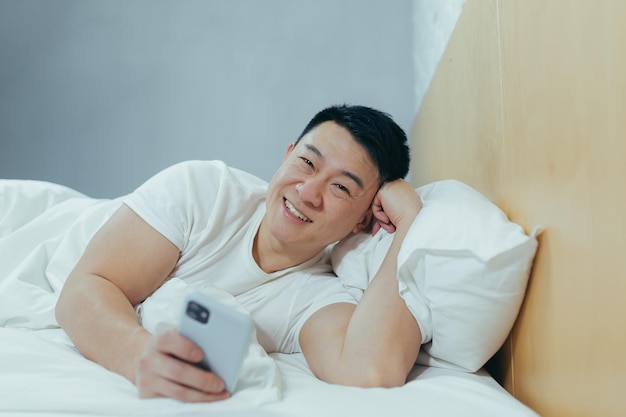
x=41 y=374
x=43 y=228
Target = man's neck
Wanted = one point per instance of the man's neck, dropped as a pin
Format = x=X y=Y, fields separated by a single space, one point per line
x=271 y=255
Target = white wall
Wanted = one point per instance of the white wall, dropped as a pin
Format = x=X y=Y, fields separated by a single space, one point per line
x=99 y=95
x=433 y=23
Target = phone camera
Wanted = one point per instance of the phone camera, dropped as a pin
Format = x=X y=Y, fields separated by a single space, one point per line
x=198 y=312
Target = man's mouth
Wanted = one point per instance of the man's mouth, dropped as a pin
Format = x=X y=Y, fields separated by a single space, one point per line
x=296 y=213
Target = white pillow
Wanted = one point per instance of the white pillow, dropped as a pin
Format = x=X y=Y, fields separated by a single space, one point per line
x=462 y=270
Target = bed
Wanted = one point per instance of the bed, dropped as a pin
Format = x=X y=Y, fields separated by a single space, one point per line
x=45 y=227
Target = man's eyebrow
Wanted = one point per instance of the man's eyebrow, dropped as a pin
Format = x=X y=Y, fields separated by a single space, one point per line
x=314 y=150
x=348 y=174
x=354 y=178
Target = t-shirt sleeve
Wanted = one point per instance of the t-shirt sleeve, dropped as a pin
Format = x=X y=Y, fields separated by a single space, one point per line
x=318 y=291
x=177 y=197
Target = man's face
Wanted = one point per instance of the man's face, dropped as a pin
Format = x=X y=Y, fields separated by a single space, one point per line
x=322 y=191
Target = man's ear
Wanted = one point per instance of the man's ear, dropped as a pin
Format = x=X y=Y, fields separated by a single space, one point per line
x=365 y=224
x=289 y=149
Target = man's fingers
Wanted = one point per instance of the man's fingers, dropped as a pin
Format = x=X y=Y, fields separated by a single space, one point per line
x=169 y=389
x=375 y=227
x=172 y=343
x=381 y=219
x=396 y=202
x=175 y=370
x=164 y=370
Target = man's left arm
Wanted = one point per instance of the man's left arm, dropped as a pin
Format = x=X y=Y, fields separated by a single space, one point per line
x=376 y=342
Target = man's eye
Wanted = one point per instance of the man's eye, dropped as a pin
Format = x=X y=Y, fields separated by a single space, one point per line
x=307 y=161
x=342 y=188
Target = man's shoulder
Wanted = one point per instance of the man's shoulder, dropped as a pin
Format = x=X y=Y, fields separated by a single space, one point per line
x=197 y=186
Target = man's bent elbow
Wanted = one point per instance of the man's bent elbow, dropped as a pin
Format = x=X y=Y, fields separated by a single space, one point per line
x=371 y=378
x=384 y=379
x=63 y=309
x=69 y=302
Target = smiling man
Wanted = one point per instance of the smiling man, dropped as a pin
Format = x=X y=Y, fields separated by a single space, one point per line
x=267 y=244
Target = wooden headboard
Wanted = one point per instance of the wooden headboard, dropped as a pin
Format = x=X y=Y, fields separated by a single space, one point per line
x=528 y=105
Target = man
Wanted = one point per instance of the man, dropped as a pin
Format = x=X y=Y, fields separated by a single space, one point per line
x=266 y=244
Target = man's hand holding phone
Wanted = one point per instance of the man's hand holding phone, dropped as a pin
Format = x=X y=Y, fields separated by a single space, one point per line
x=166 y=369
x=200 y=360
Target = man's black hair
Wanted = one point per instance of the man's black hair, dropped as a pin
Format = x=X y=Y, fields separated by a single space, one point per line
x=384 y=140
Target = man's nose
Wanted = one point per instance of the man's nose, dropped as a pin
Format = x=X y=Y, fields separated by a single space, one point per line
x=310 y=192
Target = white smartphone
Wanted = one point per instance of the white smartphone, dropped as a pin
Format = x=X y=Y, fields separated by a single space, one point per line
x=221 y=331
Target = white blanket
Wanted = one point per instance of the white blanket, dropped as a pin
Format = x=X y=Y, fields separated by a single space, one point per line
x=44 y=230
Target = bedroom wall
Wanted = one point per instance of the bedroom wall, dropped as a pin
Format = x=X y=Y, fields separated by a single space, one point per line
x=433 y=22
x=101 y=95
x=527 y=105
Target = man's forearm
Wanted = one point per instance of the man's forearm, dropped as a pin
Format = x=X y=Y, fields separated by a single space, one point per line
x=101 y=323
x=375 y=343
x=382 y=333
x=371 y=345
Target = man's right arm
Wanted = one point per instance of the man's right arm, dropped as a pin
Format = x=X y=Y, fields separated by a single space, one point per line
x=125 y=262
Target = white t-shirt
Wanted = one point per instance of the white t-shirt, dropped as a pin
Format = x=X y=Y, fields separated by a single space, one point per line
x=212 y=213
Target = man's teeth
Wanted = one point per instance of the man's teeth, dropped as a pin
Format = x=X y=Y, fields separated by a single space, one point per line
x=296 y=213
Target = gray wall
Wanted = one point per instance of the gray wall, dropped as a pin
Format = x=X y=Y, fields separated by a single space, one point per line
x=100 y=95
